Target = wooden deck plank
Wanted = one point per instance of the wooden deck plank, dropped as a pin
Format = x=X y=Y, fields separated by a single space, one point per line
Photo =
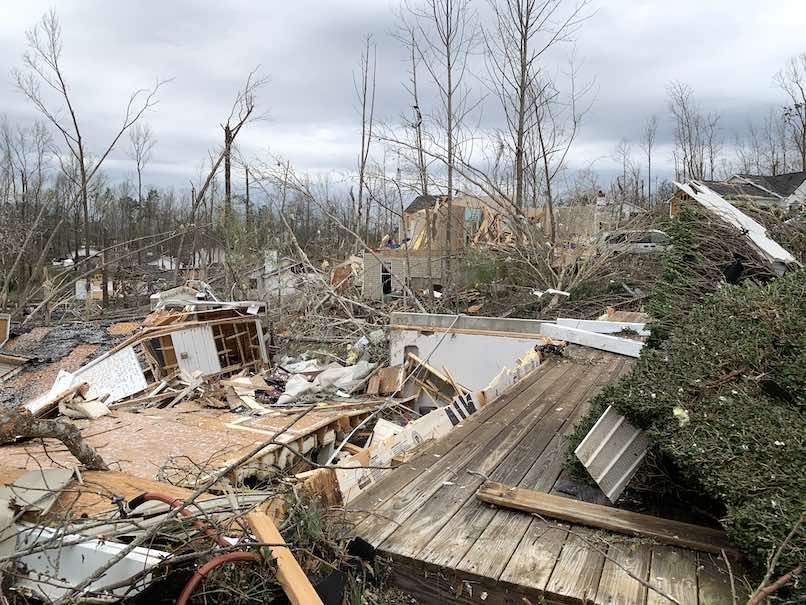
x=392 y=483
x=426 y=505
x=713 y=581
x=437 y=518
x=579 y=568
x=506 y=528
x=536 y=555
x=615 y=586
x=674 y=571
x=440 y=468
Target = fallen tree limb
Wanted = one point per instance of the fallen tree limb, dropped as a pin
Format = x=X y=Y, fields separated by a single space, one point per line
x=761 y=595
x=24 y=424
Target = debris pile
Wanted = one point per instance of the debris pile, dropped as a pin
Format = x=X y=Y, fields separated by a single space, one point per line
x=252 y=451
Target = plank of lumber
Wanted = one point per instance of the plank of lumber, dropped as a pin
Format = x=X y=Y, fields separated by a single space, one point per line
x=674 y=571
x=615 y=586
x=704 y=539
x=295 y=583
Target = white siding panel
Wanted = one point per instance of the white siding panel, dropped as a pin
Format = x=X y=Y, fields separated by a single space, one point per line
x=195 y=350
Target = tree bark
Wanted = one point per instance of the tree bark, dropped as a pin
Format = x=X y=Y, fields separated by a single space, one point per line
x=23 y=424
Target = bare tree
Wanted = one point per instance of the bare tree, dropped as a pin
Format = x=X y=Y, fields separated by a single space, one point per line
x=697 y=141
x=792 y=80
x=142 y=142
x=42 y=64
x=365 y=91
x=523 y=31
x=649 y=135
x=243 y=110
x=407 y=38
x=446 y=33
x=557 y=121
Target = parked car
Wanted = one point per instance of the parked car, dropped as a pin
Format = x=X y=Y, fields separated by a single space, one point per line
x=635 y=241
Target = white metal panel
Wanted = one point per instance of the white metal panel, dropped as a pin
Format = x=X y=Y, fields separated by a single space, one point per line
x=612 y=451
x=196 y=351
x=613 y=344
x=53 y=572
x=754 y=231
x=602 y=326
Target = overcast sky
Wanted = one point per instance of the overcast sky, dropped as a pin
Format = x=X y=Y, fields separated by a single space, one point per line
x=726 y=50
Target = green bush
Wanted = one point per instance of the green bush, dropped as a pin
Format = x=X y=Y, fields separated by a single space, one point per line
x=723 y=399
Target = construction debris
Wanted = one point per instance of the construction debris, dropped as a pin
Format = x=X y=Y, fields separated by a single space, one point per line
x=756 y=233
x=231 y=460
x=612 y=452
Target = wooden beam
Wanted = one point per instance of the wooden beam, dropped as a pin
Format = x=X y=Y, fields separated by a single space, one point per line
x=472 y=331
x=295 y=583
x=676 y=533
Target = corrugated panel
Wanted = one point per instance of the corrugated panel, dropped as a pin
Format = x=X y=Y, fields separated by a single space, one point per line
x=195 y=350
x=612 y=452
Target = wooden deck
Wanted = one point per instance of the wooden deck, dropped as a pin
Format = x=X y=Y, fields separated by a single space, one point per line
x=446 y=546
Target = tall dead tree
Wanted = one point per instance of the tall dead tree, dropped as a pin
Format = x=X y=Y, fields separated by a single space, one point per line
x=649 y=135
x=141 y=142
x=247 y=209
x=697 y=141
x=792 y=80
x=243 y=110
x=227 y=172
x=42 y=65
x=558 y=117
x=446 y=32
x=523 y=30
x=365 y=92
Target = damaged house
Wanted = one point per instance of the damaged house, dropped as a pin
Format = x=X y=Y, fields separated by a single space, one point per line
x=785 y=192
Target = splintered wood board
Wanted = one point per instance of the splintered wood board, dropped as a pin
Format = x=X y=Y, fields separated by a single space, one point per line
x=676 y=533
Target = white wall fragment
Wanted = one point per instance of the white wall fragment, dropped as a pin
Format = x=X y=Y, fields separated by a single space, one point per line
x=603 y=342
